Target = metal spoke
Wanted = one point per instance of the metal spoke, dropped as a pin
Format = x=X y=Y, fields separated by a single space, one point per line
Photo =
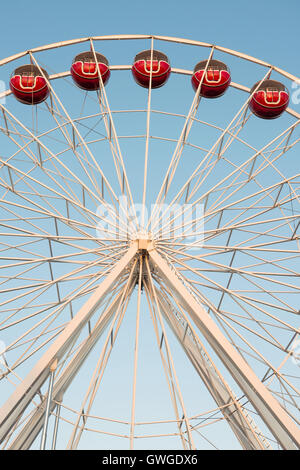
x=217 y=257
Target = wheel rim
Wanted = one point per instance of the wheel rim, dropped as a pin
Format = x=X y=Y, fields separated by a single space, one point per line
x=66 y=158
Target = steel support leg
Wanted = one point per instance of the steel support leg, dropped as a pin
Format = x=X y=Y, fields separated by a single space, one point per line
x=275 y=417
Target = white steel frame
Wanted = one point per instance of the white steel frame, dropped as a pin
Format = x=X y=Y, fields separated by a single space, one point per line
x=156 y=264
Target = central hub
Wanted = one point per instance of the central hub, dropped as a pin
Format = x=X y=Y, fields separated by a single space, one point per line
x=144 y=241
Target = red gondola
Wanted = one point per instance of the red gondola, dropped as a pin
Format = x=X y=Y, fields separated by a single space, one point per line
x=216 y=79
x=141 y=69
x=85 y=71
x=270 y=99
x=29 y=84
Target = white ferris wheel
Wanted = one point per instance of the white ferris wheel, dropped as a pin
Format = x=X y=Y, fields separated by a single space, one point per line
x=149 y=246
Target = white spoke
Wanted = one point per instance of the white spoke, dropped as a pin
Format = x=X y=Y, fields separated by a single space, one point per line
x=211 y=250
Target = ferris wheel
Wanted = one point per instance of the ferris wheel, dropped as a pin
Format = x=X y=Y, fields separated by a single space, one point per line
x=149 y=245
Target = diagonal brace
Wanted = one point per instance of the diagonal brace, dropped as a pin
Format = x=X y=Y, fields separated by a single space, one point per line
x=275 y=417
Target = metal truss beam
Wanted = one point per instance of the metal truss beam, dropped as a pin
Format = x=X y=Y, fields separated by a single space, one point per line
x=275 y=417
x=244 y=429
x=32 y=428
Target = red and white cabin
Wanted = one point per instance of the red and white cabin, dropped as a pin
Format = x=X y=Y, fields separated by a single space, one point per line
x=29 y=84
x=86 y=71
x=270 y=99
x=142 y=67
x=215 y=80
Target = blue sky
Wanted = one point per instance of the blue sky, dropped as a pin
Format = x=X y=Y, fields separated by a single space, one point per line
x=265 y=29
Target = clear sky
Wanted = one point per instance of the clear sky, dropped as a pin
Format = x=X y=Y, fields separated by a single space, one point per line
x=265 y=29
x=268 y=29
